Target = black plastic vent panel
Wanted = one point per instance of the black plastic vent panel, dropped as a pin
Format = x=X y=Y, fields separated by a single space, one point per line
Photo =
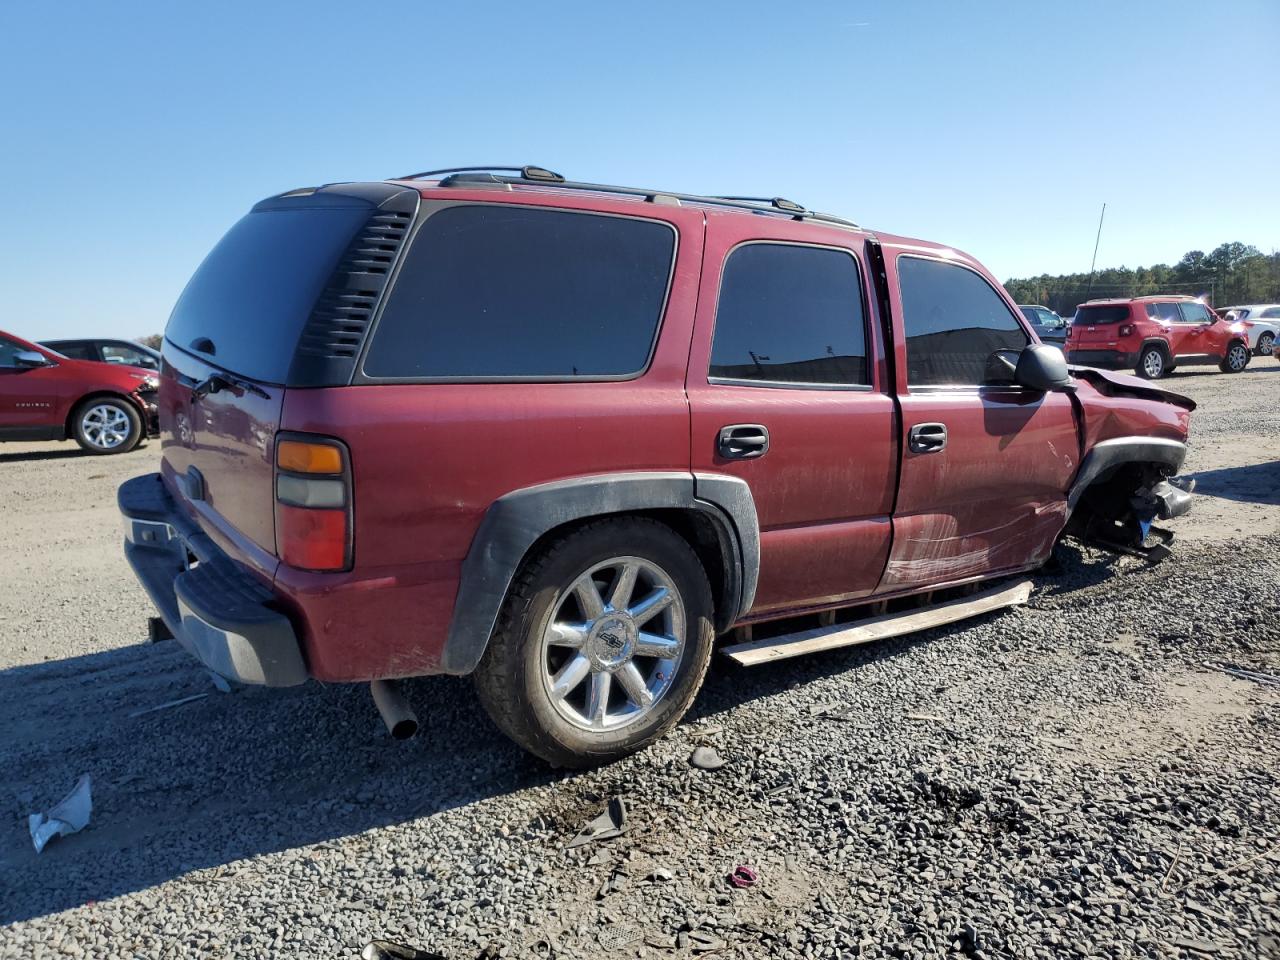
x=331 y=341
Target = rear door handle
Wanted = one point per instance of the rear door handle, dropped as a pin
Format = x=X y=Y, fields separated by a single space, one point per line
x=743 y=441
x=927 y=437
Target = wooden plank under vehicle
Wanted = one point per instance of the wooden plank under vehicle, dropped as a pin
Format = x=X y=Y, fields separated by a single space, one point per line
x=877 y=628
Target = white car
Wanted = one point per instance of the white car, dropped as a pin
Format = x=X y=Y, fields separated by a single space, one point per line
x=1260 y=321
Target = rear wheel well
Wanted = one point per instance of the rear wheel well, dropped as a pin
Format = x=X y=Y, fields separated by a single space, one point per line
x=695 y=527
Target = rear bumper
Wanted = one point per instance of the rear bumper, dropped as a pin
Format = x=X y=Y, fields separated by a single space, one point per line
x=217 y=610
x=1107 y=359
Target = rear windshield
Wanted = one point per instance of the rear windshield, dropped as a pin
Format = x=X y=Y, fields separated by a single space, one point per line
x=252 y=295
x=1092 y=316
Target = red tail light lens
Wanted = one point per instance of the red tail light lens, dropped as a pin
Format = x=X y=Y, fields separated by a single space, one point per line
x=1126 y=329
x=313 y=503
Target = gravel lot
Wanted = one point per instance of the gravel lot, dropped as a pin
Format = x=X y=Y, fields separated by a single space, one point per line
x=1063 y=780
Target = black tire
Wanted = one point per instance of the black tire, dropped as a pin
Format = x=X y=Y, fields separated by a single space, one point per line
x=89 y=425
x=1237 y=357
x=510 y=679
x=1152 y=363
x=1266 y=343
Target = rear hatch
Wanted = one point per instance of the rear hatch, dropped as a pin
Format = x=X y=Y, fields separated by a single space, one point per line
x=1098 y=324
x=281 y=303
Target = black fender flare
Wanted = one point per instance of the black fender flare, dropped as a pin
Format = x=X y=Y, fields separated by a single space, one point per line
x=1107 y=455
x=1163 y=344
x=517 y=520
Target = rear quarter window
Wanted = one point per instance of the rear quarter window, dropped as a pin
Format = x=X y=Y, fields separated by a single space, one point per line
x=499 y=292
x=253 y=293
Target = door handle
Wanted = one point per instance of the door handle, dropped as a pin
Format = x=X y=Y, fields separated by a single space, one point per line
x=743 y=441
x=927 y=437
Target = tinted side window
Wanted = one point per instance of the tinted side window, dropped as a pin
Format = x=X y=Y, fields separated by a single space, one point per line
x=504 y=291
x=790 y=314
x=954 y=322
x=8 y=350
x=1195 y=313
x=123 y=353
x=1168 y=312
x=76 y=351
x=1271 y=313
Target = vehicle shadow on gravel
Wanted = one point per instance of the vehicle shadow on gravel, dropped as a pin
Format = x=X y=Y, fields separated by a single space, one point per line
x=1255 y=483
x=225 y=777
x=28 y=456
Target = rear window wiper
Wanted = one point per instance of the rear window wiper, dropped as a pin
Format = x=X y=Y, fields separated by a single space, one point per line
x=221 y=381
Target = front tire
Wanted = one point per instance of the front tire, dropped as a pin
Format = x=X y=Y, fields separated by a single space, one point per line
x=103 y=425
x=602 y=643
x=1151 y=363
x=1266 y=343
x=1237 y=358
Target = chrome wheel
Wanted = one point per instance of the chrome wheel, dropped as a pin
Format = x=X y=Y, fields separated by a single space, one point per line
x=613 y=645
x=1265 y=344
x=1153 y=364
x=105 y=426
x=1237 y=357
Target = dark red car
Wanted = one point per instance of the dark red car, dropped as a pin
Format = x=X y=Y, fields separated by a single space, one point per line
x=1153 y=335
x=106 y=408
x=561 y=436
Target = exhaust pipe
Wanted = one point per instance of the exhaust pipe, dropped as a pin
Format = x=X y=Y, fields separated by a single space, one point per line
x=401 y=721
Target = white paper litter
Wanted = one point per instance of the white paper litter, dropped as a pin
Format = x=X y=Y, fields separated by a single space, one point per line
x=71 y=815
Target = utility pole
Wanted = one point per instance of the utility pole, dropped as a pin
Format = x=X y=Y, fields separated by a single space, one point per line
x=1096 y=241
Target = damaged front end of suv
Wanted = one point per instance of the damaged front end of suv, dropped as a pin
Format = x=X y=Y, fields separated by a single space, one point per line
x=1136 y=437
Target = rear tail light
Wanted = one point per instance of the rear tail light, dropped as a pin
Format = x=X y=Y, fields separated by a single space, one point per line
x=313 y=503
x=1126 y=329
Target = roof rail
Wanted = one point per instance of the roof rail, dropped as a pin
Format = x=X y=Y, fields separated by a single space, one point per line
x=540 y=176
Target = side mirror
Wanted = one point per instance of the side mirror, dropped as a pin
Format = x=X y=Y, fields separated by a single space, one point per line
x=29 y=359
x=1042 y=368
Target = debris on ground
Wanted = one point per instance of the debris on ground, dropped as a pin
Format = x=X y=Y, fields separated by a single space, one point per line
x=706 y=758
x=390 y=950
x=220 y=682
x=1266 y=679
x=167 y=705
x=743 y=877
x=71 y=815
x=611 y=823
x=618 y=935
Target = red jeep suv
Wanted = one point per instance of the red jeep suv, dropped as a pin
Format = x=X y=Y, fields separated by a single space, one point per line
x=104 y=407
x=1153 y=335
x=563 y=435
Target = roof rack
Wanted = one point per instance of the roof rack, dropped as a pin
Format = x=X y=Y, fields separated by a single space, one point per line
x=540 y=176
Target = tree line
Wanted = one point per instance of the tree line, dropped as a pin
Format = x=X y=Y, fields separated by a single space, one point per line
x=1232 y=273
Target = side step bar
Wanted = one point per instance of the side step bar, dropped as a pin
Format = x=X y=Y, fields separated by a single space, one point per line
x=877 y=628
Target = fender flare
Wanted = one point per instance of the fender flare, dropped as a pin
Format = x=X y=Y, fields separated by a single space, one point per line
x=517 y=520
x=1162 y=344
x=1106 y=455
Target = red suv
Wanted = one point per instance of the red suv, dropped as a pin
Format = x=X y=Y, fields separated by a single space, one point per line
x=563 y=435
x=106 y=408
x=1154 y=335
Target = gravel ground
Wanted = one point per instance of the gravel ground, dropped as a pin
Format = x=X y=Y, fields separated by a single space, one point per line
x=1063 y=780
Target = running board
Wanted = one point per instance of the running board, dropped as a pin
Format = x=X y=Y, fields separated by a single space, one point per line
x=877 y=628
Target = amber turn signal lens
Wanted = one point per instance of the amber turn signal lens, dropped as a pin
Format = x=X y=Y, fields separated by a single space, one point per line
x=299 y=457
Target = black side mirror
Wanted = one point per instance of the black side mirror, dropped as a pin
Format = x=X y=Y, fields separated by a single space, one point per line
x=29 y=359
x=1042 y=368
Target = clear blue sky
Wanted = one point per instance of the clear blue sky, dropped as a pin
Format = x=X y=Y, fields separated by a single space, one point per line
x=135 y=134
